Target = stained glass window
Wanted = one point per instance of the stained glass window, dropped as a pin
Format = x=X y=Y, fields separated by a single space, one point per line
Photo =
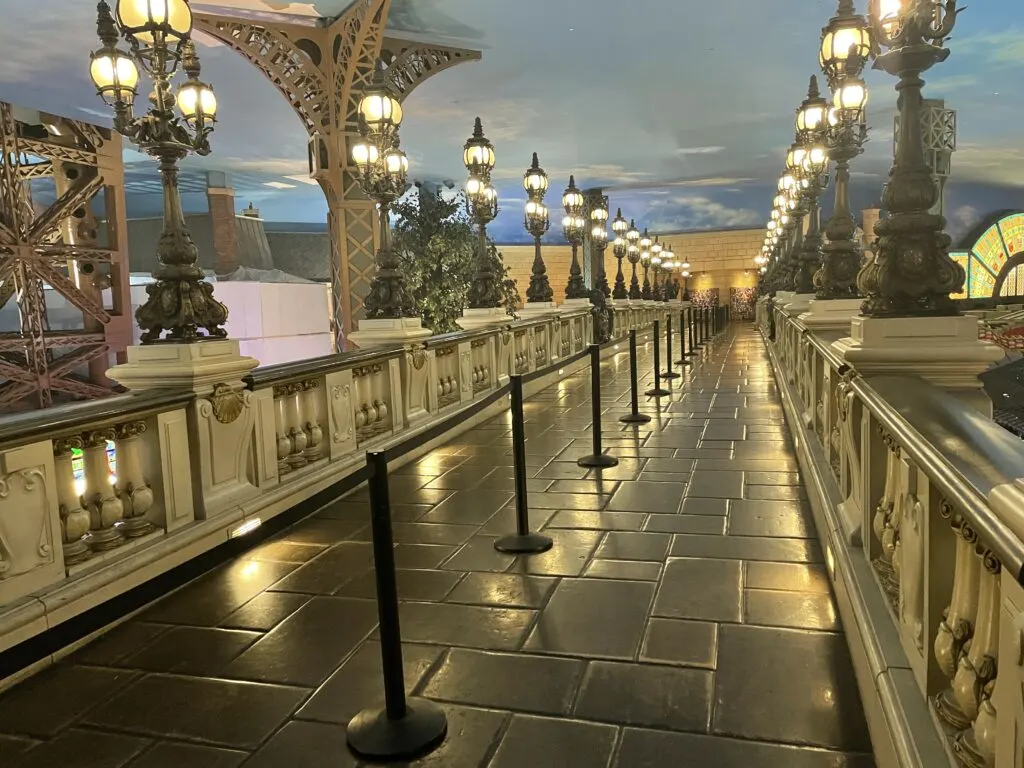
x=1014 y=283
x=1012 y=228
x=989 y=249
x=78 y=465
x=981 y=282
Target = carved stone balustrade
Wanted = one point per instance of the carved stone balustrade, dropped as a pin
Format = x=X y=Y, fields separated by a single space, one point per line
x=918 y=501
x=97 y=498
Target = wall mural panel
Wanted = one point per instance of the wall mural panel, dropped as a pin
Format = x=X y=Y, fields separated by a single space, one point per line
x=742 y=301
x=705 y=297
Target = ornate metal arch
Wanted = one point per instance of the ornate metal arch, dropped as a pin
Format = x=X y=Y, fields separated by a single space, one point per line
x=410 y=63
x=289 y=55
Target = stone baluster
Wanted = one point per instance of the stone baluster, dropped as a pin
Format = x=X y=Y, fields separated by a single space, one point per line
x=957 y=625
x=132 y=489
x=977 y=670
x=105 y=509
x=74 y=520
x=309 y=407
x=291 y=437
x=882 y=523
x=284 y=442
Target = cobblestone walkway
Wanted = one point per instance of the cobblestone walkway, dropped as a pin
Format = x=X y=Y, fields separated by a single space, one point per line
x=683 y=616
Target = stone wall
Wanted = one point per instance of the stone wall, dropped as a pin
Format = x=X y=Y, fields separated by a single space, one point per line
x=720 y=259
x=557 y=258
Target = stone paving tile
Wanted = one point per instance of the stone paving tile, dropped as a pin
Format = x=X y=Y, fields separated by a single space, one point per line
x=83 y=749
x=518 y=682
x=265 y=611
x=620 y=607
x=683 y=585
x=168 y=754
x=546 y=742
x=220 y=712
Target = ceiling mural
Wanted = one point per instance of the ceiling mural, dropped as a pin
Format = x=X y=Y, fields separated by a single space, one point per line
x=680 y=111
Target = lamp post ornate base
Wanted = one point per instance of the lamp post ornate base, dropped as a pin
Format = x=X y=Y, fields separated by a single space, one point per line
x=945 y=351
x=576 y=289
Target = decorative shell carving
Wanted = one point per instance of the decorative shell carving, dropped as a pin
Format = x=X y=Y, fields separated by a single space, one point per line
x=418 y=358
x=227 y=403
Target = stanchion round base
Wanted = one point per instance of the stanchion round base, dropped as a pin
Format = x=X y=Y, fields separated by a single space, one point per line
x=524 y=544
x=598 y=460
x=635 y=418
x=684 y=361
x=372 y=734
x=670 y=375
x=659 y=392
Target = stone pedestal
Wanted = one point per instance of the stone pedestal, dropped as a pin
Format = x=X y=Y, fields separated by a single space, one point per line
x=220 y=419
x=197 y=367
x=945 y=351
x=489 y=317
x=536 y=309
x=831 y=314
x=797 y=303
x=574 y=305
x=383 y=332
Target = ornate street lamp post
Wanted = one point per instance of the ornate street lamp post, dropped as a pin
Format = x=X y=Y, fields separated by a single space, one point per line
x=599 y=241
x=180 y=302
x=482 y=201
x=575 y=228
x=645 y=259
x=686 y=283
x=381 y=171
x=845 y=47
x=536 y=221
x=811 y=156
x=911 y=274
x=633 y=254
x=656 y=249
x=619 y=245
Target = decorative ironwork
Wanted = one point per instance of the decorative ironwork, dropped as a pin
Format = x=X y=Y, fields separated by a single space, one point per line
x=536 y=221
x=574 y=228
x=619 y=246
x=911 y=274
x=58 y=248
x=845 y=135
x=482 y=202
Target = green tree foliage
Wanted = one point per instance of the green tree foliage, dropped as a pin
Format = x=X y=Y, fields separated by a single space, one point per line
x=436 y=243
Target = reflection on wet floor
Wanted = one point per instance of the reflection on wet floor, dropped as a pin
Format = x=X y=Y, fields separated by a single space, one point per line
x=683 y=614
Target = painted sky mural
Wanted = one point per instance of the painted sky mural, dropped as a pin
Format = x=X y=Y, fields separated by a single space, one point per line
x=680 y=111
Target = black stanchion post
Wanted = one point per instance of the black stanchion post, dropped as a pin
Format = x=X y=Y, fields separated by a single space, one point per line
x=668 y=373
x=598 y=458
x=658 y=390
x=634 y=416
x=692 y=331
x=707 y=322
x=714 y=320
x=683 y=353
x=405 y=727
x=522 y=541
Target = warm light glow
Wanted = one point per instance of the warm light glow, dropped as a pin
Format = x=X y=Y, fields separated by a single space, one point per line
x=810 y=117
x=853 y=95
x=815 y=159
x=837 y=45
x=536 y=210
x=479 y=156
x=889 y=14
x=474 y=186
x=196 y=100
x=380 y=109
x=795 y=157
x=247 y=527
x=364 y=154
x=144 y=19
x=115 y=76
x=535 y=181
x=572 y=200
x=396 y=162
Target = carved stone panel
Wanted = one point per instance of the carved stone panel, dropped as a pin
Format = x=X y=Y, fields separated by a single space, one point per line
x=175 y=477
x=225 y=450
x=31 y=556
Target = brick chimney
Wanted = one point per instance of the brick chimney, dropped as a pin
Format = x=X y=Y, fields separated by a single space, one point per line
x=221 y=198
